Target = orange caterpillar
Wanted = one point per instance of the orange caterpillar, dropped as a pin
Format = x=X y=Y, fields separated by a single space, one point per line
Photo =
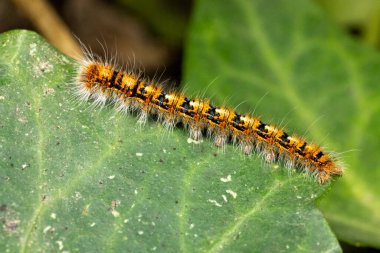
x=102 y=82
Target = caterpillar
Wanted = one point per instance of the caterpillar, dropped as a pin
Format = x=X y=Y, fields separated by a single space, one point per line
x=100 y=81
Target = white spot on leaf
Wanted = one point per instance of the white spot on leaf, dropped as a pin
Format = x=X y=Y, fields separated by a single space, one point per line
x=33 y=49
x=214 y=202
x=46 y=229
x=115 y=213
x=60 y=245
x=226 y=179
x=232 y=193
x=189 y=140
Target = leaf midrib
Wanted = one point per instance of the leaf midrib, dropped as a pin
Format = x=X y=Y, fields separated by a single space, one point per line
x=229 y=233
x=41 y=207
x=40 y=165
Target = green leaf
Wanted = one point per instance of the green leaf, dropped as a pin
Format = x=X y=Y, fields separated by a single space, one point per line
x=286 y=60
x=83 y=180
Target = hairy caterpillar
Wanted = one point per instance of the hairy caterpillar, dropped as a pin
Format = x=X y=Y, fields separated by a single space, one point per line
x=100 y=81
